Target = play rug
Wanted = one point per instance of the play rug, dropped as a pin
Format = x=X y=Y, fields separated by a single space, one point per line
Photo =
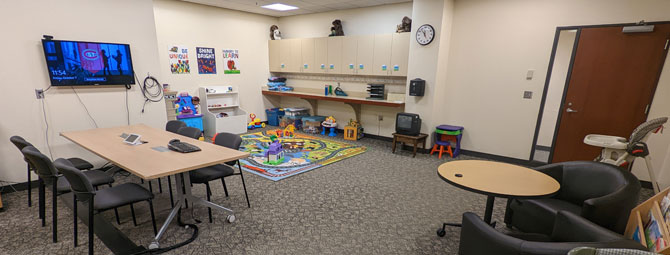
x=301 y=154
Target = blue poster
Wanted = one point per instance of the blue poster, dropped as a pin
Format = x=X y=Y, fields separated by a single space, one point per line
x=206 y=60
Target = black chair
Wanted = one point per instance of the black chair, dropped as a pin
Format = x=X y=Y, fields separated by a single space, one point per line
x=570 y=231
x=101 y=200
x=210 y=173
x=21 y=143
x=174 y=125
x=48 y=175
x=601 y=193
x=191 y=132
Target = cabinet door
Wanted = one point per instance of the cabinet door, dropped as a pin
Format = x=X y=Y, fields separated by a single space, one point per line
x=296 y=56
x=334 y=55
x=284 y=55
x=399 y=54
x=349 y=51
x=320 y=55
x=307 y=49
x=273 y=52
x=365 y=56
x=382 y=54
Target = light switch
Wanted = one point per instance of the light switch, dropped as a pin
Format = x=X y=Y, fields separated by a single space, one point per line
x=528 y=94
x=529 y=74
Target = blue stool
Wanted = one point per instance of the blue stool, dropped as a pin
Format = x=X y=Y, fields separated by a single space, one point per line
x=333 y=132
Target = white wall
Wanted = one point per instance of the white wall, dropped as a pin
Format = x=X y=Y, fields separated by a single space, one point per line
x=559 y=74
x=380 y=19
x=24 y=70
x=194 y=25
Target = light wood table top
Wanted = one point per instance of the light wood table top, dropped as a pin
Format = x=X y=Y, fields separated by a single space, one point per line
x=498 y=179
x=144 y=161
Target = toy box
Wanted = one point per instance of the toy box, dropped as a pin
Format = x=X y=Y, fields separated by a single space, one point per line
x=297 y=111
x=273 y=115
x=295 y=120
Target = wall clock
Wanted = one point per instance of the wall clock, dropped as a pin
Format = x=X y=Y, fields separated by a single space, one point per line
x=425 y=34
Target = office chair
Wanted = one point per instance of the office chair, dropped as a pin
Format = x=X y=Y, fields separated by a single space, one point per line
x=21 y=143
x=221 y=171
x=48 y=175
x=174 y=125
x=102 y=200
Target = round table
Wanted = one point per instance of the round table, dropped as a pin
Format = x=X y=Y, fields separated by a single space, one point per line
x=496 y=179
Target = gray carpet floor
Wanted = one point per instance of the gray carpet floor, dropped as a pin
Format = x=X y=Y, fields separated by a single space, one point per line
x=373 y=203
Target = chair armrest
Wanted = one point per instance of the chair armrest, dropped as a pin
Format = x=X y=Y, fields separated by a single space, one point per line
x=569 y=227
x=613 y=209
x=554 y=170
x=477 y=237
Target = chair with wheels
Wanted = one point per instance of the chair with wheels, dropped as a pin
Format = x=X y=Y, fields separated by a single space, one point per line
x=21 y=143
x=206 y=174
x=601 y=193
x=102 y=200
x=570 y=231
x=49 y=175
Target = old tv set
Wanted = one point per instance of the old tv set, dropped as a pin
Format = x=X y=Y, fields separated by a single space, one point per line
x=75 y=63
x=407 y=124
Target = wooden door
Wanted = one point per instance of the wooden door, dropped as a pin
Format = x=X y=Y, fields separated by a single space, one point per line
x=365 y=54
x=612 y=82
x=399 y=54
x=307 y=48
x=349 y=50
x=321 y=54
x=296 y=56
x=382 y=54
x=334 y=55
x=284 y=54
x=273 y=50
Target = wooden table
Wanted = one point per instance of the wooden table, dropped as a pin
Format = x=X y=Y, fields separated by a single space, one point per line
x=415 y=140
x=148 y=163
x=496 y=179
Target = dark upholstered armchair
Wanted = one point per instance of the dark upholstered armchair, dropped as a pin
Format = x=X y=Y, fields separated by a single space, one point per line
x=601 y=193
x=570 y=231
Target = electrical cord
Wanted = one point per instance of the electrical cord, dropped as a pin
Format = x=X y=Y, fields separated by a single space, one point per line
x=151 y=90
x=85 y=108
x=46 y=133
x=172 y=247
x=127 y=108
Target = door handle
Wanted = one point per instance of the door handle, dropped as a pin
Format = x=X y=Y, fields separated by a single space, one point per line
x=570 y=110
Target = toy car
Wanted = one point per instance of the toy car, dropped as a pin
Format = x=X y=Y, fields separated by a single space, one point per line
x=255 y=122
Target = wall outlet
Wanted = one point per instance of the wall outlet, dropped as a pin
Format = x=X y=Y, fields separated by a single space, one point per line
x=381 y=117
x=528 y=94
x=39 y=93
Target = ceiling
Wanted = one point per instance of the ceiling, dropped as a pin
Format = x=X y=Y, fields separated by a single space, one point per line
x=306 y=6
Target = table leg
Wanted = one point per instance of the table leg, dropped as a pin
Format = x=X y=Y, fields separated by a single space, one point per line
x=175 y=209
x=489 y=209
x=394 y=143
x=415 y=145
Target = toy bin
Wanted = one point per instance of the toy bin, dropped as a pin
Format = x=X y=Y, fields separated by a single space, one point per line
x=295 y=120
x=297 y=111
x=313 y=118
x=193 y=120
x=273 y=115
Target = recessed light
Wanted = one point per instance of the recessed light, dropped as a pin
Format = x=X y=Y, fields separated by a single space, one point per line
x=279 y=7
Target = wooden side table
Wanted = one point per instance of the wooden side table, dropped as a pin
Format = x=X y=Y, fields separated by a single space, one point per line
x=415 y=140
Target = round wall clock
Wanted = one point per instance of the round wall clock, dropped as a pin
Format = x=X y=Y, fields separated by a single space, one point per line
x=425 y=34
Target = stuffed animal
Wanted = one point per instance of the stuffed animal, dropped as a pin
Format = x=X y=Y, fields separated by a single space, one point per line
x=336 y=29
x=405 y=26
x=275 y=34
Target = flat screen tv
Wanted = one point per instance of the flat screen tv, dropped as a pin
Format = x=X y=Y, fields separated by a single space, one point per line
x=72 y=63
x=407 y=124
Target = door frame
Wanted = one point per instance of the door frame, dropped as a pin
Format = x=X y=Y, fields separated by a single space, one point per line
x=567 y=80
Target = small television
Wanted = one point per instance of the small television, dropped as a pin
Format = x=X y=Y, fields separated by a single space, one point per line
x=74 y=63
x=407 y=124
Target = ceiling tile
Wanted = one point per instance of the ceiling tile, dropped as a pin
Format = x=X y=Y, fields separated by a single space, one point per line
x=306 y=6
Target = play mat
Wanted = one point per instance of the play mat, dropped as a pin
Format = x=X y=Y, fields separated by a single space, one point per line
x=301 y=154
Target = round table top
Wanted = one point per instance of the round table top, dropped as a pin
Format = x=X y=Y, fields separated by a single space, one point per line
x=498 y=179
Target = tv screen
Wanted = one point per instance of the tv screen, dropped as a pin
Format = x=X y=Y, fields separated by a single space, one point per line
x=72 y=63
x=404 y=121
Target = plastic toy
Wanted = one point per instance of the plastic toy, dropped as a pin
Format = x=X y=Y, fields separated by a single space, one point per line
x=184 y=104
x=339 y=91
x=289 y=131
x=331 y=124
x=275 y=153
x=353 y=131
x=311 y=127
x=255 y=122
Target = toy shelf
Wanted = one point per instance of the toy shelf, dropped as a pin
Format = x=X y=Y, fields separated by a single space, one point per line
x=215 y=105
x=639 y=217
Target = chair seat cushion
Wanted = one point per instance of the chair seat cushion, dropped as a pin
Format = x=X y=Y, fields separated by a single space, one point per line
x=80 y=163
x=120 y=195
x=96 y=177
x=210 y=173
x=537 y=215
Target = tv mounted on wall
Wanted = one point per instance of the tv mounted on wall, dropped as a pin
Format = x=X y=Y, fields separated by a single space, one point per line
x=74 y=63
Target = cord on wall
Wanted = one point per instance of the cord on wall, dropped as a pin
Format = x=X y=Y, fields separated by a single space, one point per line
x=46 y=133
x=151 y=90
x=85 y=108
x=127 y=109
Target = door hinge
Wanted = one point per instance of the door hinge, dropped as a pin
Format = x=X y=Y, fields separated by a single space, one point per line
x=667 y=42
x=646 y=109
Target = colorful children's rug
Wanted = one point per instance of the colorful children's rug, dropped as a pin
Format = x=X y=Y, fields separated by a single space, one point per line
x=301 y=154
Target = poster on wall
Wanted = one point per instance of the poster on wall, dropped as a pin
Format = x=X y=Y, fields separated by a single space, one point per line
x=231 y=60
x=179 y=60
x=206 y=60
